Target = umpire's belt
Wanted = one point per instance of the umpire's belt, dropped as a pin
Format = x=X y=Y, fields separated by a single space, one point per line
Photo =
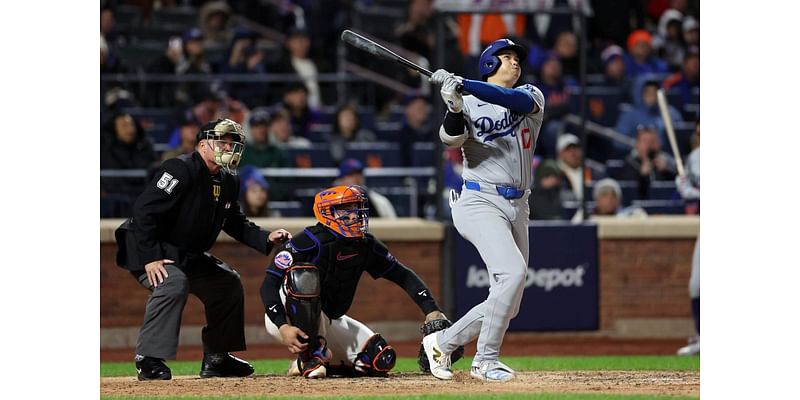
x=508 y=192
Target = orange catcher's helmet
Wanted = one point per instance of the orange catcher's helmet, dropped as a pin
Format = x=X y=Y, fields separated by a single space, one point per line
x=343 y=209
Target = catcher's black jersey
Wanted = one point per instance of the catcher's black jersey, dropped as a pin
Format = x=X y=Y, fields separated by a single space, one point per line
x=340 y=261
x=181 y=212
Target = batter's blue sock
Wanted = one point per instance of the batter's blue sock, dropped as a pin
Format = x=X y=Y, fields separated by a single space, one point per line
x=696 y=313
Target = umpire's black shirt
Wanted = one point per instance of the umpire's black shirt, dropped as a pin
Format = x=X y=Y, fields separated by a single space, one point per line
x=180 y=214
x=340 y=262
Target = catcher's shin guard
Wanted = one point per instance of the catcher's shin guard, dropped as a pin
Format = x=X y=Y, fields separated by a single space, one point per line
x=376 y=358
x=303 y=305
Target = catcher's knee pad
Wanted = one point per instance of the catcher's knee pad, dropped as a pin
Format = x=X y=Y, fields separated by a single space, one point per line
x=376 y=357
x=303 y=305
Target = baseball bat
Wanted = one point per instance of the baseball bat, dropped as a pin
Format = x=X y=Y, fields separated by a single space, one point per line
x=360 y=42
x=662 y=105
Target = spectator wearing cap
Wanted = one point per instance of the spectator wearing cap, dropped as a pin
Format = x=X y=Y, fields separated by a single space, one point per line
x=243 y=56
x=640 y=59
x=215 y=23
x=644 y=111
x=351 y=172
x=254 y=193
x=557 y=91
x=687 y=79
x=613 y=60
x=573 y=175
x=569 y=154
x=183 y=56
x=646 y=162
x=607 y=196
x=260 y=152
x=297 y=60
x=347 y=129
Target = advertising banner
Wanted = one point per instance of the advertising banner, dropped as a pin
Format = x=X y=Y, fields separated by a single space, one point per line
x=561 y=284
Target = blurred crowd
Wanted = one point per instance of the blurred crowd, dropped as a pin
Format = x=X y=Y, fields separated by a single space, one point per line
x=168 y=67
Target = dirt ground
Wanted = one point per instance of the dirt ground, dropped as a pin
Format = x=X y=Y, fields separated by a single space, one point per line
x=671 y=383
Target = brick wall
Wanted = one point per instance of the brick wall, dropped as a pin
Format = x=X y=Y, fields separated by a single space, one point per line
x=644 y=280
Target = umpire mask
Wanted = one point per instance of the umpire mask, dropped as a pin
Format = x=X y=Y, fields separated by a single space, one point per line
x=226 y=139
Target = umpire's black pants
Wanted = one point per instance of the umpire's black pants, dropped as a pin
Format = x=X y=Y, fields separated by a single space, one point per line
x=220 y=290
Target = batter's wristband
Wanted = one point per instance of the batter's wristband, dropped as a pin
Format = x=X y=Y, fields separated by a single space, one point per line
x=454 y=123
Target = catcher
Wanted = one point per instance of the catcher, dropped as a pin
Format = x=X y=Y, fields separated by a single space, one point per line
x=311 y=282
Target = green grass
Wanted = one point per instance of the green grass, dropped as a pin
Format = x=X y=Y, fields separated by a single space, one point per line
x=592 y=363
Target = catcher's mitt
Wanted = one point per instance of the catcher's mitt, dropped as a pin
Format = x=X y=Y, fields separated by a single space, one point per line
x=428 y=328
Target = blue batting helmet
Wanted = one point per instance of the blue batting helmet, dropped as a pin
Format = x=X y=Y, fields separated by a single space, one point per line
x=489 y=62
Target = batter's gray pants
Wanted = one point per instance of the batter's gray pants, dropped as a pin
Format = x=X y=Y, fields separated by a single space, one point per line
x=498 y=228
x=694 y=280
x=220 y=290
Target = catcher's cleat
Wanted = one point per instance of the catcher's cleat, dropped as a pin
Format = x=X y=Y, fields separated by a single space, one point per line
x=224 y=365
x=315 y=365
x=314 y=368
x=438 y=361
x=294 y=368
x=152 y=369
x=491 y=371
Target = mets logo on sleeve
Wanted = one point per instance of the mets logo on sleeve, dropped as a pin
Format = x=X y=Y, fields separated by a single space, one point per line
x=283 y=260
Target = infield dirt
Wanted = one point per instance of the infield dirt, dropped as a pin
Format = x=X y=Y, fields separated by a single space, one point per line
x=667 y=383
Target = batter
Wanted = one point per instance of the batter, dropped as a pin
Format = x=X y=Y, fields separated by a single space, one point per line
x=496 y=126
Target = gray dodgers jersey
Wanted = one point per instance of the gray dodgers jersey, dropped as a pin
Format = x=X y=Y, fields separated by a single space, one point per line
x=500 y=143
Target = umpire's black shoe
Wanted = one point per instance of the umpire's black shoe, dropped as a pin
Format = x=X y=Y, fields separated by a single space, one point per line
x=223 y=365
x=152 y=369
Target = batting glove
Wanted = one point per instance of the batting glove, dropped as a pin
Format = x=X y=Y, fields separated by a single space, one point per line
x=439 y=76
x=450 y=94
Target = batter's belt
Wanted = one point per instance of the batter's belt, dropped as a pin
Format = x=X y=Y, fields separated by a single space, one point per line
x=508 y=192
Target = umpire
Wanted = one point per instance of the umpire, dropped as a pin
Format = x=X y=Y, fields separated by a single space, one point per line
x=164 y=245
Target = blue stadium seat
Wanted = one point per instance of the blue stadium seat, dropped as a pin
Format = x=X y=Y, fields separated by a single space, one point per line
x=602 y=103
x=614 y=167
x=316 y=156
x=663 y=190
x=158 y=122
x=655 y=207
x=137 y=56
x=375 y=154
x=422 y=154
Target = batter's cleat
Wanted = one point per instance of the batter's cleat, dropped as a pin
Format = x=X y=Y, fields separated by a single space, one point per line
x=152 y=369
x=691 y=349
x=219 y=365
x=439 y=362
x=492 y=371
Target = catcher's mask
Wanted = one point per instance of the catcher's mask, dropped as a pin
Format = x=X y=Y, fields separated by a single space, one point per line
x=226 y=139
x=343 y=209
